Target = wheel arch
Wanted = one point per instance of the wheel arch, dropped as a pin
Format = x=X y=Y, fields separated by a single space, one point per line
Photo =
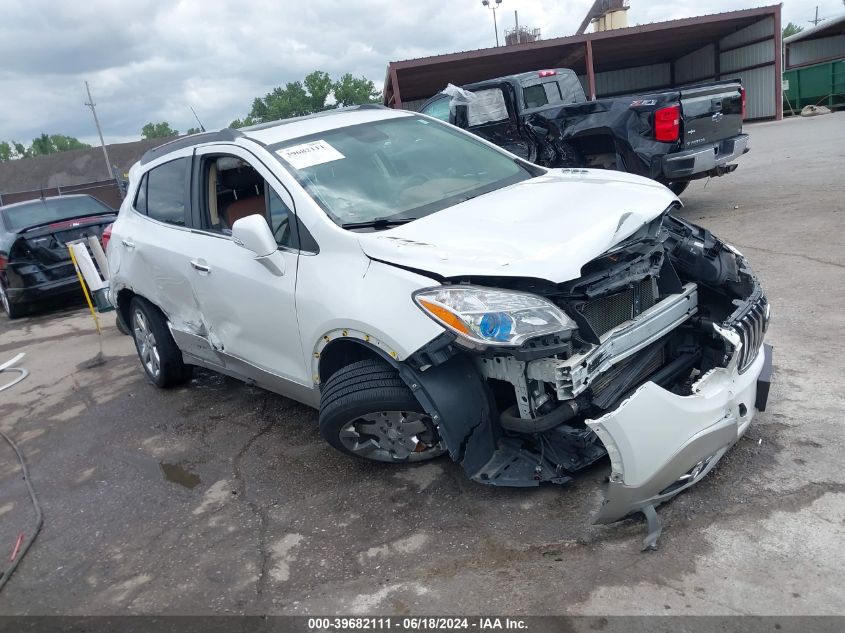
x=339 y=348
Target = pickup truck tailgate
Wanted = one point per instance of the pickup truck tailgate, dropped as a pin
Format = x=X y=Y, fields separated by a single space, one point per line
x=711 y=113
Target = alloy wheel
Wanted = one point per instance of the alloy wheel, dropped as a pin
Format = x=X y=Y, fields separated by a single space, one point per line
x=390 y=436
x=146 y=342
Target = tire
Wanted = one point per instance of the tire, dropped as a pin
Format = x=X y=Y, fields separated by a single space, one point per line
x=12 y=310
x=121 y=324
x=367 y=410
x=160 y=357
x=678 y=187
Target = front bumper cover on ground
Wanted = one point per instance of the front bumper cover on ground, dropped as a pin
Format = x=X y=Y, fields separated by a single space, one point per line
x=660 y=443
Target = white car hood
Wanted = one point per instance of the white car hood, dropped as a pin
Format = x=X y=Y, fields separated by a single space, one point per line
x=546 y=227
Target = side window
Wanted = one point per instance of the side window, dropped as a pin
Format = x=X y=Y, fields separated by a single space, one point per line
x=438 y=109
x=141 y=196
x=541 y=94
x=281 y=220
x=165 y=192
x=233 y=190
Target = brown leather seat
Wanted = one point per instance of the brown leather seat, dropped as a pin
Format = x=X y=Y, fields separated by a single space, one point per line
x=243 y=208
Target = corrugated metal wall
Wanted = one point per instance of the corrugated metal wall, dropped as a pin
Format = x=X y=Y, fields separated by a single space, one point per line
x=811 y=51
x=697 y=66
x=752 y=55
x=759 y=87
x=633 y=79
x=759 y=83
x=750 y=33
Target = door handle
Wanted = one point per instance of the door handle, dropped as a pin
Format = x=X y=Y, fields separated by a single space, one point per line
x=128 y=243
x=200 y=265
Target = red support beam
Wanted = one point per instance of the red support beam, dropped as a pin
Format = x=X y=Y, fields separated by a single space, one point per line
x=778 y=44
x=591 y=76
x=394 y=81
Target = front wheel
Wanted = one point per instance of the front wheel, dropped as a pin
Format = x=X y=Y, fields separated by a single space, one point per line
x=367 y=410
x=160 y=357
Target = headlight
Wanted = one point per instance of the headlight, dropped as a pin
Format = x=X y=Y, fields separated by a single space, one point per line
x=492 y=317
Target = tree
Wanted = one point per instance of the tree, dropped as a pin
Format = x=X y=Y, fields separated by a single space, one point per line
x=319 y=86
x=349 y=90
x=50 y=144
x=193 y=130
x=791 y=29
x=158 y=130
x=298 y=98
x=5 y=151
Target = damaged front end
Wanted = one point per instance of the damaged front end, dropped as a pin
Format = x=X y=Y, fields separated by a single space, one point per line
x=661 y=370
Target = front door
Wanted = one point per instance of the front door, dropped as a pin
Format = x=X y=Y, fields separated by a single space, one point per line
x=247 y=304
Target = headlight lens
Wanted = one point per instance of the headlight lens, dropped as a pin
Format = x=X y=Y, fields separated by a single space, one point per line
x=492 y=317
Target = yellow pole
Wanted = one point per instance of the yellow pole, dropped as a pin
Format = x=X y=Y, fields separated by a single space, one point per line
x=85 y=290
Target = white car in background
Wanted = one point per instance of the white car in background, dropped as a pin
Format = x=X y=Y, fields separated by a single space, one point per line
x=430 y=292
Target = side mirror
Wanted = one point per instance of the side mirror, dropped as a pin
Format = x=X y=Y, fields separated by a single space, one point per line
x=253 y=233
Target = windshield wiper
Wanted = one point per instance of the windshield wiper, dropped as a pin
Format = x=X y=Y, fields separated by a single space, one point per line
x=377 y=223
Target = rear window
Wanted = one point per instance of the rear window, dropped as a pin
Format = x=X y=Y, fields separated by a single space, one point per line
x=542 y=94
x=50 y=210
x=165 y=192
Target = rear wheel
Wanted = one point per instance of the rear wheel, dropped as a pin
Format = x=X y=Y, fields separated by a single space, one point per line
x=160 y=357
x=13 y=311
x=366 y=410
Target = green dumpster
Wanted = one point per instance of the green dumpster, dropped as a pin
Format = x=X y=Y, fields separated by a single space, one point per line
x=819 y=84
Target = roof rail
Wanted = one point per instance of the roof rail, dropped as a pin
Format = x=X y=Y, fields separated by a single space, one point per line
x=269 y=124
x=227 y=134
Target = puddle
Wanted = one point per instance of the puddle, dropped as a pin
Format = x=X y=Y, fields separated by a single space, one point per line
x=178 y=475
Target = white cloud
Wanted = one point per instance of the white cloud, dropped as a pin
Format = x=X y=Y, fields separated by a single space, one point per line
x=148 y=60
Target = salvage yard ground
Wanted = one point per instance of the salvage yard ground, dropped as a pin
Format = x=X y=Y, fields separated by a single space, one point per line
x=221 y=498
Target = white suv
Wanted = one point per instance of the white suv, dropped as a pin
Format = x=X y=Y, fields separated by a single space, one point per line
x=430 y=292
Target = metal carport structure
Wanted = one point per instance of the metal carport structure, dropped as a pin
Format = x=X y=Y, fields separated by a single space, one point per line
x=742 y=44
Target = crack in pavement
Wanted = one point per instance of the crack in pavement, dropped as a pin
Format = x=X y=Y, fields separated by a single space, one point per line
x=254 y=507
x=774 y=252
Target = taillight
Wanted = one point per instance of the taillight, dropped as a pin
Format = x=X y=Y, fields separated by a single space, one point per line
x=742 y=94
x=106 y=236
x=667 y=123
x=547 y=73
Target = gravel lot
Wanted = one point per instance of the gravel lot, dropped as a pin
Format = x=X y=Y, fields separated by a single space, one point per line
x=221 y=498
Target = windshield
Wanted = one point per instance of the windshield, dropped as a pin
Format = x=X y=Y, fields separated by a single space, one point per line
x=50 y=210
x=397 y=169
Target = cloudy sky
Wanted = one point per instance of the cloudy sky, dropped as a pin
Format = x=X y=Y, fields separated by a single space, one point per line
x=149 y=60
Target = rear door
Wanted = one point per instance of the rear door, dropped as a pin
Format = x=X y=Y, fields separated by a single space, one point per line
x=711 y=113
x=152 y=238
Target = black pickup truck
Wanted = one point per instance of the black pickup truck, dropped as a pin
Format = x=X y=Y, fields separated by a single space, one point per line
x=674 y=136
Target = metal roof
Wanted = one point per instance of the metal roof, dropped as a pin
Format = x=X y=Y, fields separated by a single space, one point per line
x=619 y=48
x=831 y=26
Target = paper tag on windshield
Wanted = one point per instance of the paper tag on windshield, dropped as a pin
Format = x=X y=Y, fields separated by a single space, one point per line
x=310 y=154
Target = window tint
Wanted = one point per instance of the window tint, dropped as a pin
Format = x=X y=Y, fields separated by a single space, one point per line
x=141 y=196
x=48 y=210
x=166 y=192
x=438 y=109
x=542 y=94
x=281 y=220
x=234 y=190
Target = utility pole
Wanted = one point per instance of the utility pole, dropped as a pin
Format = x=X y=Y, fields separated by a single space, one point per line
x=90 y=103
